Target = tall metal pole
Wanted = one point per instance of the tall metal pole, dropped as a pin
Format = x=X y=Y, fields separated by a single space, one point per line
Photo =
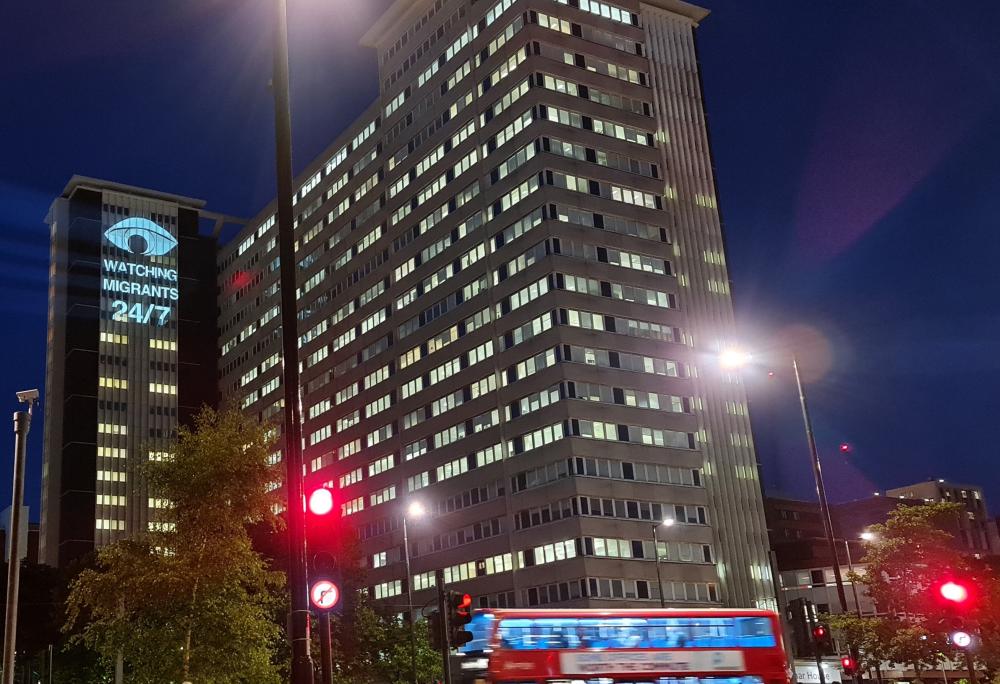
x=22 y=423
x=973 y=677
x=302 y=665
x=854 y=585
x=409 y=603
x=325 y=649
x=659 y=580
x=443 y=612
x=820 y=490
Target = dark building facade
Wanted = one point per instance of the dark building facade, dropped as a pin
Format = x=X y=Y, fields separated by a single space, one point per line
x=512 y=297
x=131 y=352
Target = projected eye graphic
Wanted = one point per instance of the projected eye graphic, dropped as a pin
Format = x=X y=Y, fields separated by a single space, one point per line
x=140 y=236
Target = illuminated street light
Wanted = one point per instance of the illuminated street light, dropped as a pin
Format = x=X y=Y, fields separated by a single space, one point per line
x=416 y=510
x=667 y=522
x=732 y=359
x=868 y=536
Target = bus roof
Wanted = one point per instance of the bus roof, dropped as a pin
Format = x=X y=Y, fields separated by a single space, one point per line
x=626 y=612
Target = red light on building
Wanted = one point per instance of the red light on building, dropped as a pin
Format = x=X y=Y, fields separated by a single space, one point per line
x=845 y=448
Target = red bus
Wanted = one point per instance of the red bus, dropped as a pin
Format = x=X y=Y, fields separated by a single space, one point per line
x=595 y=646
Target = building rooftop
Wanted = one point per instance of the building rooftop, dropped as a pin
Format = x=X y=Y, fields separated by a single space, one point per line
x=77 y=182
x=399 y=14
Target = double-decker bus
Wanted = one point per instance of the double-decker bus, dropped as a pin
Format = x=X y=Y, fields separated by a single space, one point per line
x=594 y=646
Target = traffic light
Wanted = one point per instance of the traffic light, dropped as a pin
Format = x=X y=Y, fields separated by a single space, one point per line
x=823 y=639
x=325 y=591
x=849 y=665
x=954 y=592
x=459 y=615
x=321 y=501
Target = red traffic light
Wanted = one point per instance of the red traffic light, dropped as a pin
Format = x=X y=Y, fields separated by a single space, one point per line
x=819 y=632
x=954 y=592
x=463 y=604
x=848 y=664
x=321 y=501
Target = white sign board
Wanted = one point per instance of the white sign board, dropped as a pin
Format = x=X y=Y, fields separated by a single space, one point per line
x=605 y=662
x=806 y=673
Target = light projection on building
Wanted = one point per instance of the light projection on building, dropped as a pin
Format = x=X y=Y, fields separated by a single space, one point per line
x=134 y=282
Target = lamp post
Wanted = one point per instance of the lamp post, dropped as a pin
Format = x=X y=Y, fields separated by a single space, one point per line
x=415 y=510
x=22 y=423
x=733 y=359
x=850 y=569
x=298 y=633
x=667 y=522
x=824 y=504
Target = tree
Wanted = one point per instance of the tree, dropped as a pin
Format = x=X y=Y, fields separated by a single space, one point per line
x=871 y=635
x=192 y=600
x=908 y=556
x=369 y=647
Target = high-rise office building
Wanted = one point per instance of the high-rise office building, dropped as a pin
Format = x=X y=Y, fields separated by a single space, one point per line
x=131 y=351
x=977 y=531
x=512 y=294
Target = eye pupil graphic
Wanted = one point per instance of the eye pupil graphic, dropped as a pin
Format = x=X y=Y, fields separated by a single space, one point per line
x=137 y=244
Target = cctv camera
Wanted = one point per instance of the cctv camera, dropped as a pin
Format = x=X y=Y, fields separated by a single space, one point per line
x=27 y=396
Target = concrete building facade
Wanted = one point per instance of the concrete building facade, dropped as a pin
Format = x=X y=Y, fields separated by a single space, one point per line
x=977 y=530
x=512 y=292
x=130 y=352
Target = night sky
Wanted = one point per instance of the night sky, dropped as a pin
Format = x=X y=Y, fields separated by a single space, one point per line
x=858 y=160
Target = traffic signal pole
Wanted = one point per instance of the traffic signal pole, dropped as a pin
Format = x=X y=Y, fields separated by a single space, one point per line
x=325 y=649
x=971 y=666
x=443 y=612
x=302 y=664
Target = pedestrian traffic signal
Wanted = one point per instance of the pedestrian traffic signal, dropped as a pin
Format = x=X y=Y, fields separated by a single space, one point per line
x=849 y=665
x=822 y=639
x=459 y=615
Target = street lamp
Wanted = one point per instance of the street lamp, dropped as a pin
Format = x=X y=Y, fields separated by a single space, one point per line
x=868 y=536
x=733 y=359
x=298 y=632
x=414 y=510
x=667 y=522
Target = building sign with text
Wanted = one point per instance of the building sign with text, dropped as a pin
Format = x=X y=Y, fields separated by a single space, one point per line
x=139 y=291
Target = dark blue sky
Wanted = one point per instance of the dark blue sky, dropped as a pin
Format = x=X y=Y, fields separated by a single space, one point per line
x=858 y=160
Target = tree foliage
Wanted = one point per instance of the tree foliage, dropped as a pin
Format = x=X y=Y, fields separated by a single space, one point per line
x=909 y=555
x=192 y=600
x=370 y=646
